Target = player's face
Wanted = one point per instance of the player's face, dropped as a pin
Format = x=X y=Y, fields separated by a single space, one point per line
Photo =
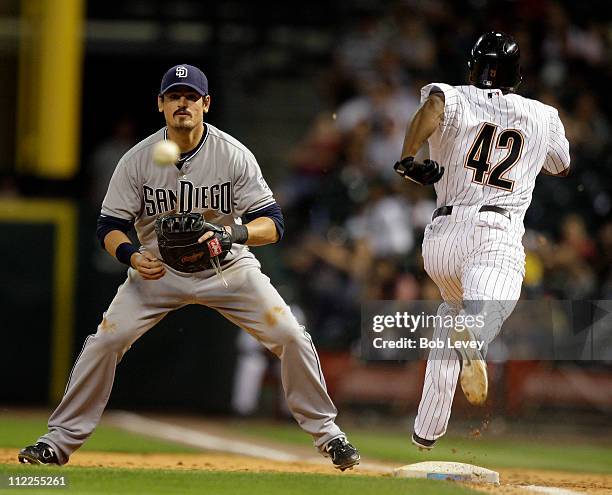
x=183 y=108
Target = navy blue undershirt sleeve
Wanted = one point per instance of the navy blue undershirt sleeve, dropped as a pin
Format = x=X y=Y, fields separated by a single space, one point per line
x=107 y=223
x=273 y=212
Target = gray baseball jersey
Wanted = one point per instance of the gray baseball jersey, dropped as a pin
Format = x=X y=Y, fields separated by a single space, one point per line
x=493 y=146
x=220 y=179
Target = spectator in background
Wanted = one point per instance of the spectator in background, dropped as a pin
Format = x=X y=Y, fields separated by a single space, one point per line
x=415 y=44
x=361 y=44
x=105 y=156
x=383 y=224
x=593 y=129
x=605 y=262
x=311 y=159
x=329 y=273
x=568 y=274
x=101 y=165
x=384 y=109
x=534 y=266
x=422 y=204
x=587 y=43
x=575 y=238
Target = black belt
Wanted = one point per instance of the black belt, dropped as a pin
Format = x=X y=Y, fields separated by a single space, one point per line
x=447 y=210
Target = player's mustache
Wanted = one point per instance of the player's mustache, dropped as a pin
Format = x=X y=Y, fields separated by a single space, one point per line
x=182 y=111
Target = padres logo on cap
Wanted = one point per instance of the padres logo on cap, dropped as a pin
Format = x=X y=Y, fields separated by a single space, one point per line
x=181 y=71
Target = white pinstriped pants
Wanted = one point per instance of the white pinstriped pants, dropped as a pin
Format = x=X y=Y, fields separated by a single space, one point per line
x=477 y=261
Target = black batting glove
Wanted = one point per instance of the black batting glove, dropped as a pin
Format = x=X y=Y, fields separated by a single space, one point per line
x=426 y=173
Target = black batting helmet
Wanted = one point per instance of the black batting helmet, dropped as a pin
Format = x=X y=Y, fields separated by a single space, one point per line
x=494 y=62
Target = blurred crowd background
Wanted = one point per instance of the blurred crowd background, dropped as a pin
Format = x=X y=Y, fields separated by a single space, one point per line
x=355 y=230
x=322 y=94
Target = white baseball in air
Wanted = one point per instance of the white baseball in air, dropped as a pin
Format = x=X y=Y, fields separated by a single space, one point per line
x=166 y=152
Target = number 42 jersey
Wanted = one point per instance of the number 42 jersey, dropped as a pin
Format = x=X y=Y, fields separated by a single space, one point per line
x=493 y=146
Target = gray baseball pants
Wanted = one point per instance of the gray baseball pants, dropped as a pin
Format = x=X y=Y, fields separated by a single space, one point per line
x=250 y=302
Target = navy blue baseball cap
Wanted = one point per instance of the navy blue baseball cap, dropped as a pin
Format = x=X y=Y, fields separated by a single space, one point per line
x=184 y=75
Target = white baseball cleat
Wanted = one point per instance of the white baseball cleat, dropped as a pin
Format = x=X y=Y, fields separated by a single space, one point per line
x=473 y=377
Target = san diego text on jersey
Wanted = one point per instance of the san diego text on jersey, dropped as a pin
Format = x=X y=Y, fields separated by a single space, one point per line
x=216 y=197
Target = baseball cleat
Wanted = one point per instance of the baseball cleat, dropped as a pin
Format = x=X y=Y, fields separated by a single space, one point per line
x=473 y=376
x=422 y=443
x=342 y=453
x=39 y=453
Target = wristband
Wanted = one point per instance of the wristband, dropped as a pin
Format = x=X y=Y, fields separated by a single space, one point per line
x=240 y=234
x=124 y=253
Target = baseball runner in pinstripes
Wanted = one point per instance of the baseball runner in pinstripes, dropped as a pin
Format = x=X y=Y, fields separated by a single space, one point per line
x=218 y=177
x=493 y=144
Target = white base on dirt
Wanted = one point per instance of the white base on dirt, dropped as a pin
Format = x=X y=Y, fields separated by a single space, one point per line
x=455 y=471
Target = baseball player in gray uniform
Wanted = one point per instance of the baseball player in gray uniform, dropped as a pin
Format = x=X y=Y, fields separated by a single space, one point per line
x=218 y=177
x=493 y=144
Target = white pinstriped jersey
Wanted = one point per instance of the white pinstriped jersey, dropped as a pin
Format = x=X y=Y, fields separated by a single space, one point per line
x=493 y=146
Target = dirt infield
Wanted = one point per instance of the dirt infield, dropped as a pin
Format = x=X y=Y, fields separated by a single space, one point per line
x=513 y=480
x=208 y=462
